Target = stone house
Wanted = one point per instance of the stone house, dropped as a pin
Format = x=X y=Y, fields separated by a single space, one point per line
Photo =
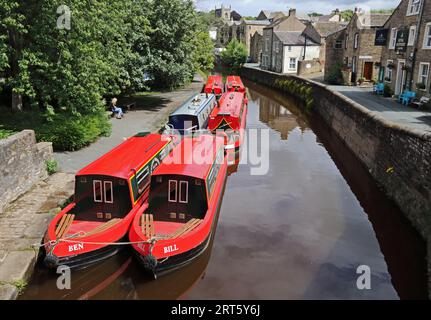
x=256 y=47
x=248 y=28
x=406 y=56
x=335 y=44
x=271 y=15
x=334 y=16
x=286 y=46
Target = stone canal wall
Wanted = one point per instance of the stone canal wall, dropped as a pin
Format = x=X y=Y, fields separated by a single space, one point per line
x=22 y=164
x=398 y=158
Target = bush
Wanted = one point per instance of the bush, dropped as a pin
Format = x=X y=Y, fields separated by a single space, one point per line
x=334 y=74
x=73 y=134
x=67 y=132
x=387 y=91
x=51 y=166
x=235 y=54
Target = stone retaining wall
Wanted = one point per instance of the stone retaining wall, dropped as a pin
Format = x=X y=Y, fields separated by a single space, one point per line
x=399 y=158
x=22 y=164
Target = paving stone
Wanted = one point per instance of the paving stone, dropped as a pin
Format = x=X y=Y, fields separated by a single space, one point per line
x=8 y=292
x=17 y=265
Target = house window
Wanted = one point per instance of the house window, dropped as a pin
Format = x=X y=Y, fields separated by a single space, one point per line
x=276 y=47
x=414 y=7
x=356 y=42
x=289 y=48
x=338 y=44
x=424 y=69
x=412 y=36
x=389 y=71
x=393 y=39
x=346 y=42
x=292 y=63
x=427 y=36
x=266 y=44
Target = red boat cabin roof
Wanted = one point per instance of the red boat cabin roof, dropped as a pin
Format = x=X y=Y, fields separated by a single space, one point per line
x=214 y=82
x=133 y=153
x=234 y=82
x=230 y=103
x=192 y=152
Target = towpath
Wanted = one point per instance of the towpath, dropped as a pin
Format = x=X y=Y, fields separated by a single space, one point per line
x=150 y=114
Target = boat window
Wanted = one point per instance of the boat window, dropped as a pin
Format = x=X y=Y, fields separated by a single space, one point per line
x=109 y=192
x=143 y=179
x=97 y=191
x=173 y=184
x=184 y=192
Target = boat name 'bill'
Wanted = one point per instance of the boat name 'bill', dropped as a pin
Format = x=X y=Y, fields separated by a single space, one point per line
x=170 y=249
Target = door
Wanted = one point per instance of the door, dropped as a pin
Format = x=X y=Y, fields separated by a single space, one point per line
x=401 y=77
x=368 y=71
x=178 y=197
x=103 y=193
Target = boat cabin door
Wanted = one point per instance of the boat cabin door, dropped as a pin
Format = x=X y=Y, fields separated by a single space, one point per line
x=103 y=194
x=178 y=197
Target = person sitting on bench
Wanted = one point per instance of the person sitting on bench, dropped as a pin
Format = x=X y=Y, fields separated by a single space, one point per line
x=118 y=112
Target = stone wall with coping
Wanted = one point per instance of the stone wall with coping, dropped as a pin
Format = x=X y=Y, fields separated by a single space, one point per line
x=307 y=67
x=22 y=164
x=398 y=158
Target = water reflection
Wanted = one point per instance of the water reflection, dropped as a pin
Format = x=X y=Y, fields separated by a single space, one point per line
x=299 y=232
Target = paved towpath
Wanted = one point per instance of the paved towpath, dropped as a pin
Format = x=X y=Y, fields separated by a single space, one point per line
x=387 y=107
x=150 y=114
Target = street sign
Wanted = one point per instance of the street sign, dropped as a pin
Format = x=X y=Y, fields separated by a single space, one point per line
x=381 y=37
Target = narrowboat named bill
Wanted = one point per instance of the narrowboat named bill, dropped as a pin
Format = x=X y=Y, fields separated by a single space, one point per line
x=108 y=194
x=193 y=115
x=184 y=203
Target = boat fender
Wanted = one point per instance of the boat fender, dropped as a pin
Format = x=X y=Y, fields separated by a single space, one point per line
x=150 y=263
x=51 y=260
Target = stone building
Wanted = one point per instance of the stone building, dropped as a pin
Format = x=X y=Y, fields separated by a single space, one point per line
x=227 y=14
x=248 y=28
x=286 y=46
x=360 y=54
x=335 y=44
x=256 y=47
x=406 y=56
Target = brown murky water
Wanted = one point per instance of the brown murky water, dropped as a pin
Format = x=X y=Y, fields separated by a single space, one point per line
x=299 y=232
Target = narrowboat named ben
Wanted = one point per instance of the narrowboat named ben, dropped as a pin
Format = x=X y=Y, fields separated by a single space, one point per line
x=183 y=207
x=108 y=194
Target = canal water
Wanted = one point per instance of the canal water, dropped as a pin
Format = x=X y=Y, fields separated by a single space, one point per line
x=299 y=232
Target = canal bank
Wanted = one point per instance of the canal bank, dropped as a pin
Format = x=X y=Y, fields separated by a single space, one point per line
x=397 y=157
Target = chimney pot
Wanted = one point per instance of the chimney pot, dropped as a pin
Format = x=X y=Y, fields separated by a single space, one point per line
x=292 y=12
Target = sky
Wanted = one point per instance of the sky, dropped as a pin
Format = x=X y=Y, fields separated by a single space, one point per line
x=253 y=7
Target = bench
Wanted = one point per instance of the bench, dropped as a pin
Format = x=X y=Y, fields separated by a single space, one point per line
x=102 y=227
x=64 y=225
x=421 y=102
x=147 y=225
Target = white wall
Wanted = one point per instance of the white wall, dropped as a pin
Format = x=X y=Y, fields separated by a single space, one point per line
x=312 y=52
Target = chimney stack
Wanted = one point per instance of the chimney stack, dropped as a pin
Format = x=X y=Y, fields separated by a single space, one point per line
x=292 y=12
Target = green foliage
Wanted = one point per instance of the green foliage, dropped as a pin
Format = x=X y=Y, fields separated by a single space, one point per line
x=235 y=54
x=334 y=74
x=387 y=91
x=383 y=11
x=315 y=14
x=347 y=15
x=300 y=90
x=51 y=166
x=67 y=132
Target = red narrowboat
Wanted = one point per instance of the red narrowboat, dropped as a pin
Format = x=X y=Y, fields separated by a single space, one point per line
x=234 y=84
x=183 y=207
x=231 y=116
x=108 y=194
x=214 y=85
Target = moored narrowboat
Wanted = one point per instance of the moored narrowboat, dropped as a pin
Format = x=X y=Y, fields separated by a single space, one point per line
x=183 y=207
x=214 y=85
x=234 y=84
x=108 y=194
x=193 y=115
x=231 y=117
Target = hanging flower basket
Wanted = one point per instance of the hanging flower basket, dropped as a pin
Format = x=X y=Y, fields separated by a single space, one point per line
x=406 y=68
x=391 y=66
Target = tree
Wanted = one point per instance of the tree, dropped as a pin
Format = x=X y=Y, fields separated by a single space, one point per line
x=347 y=15
x=235 y=54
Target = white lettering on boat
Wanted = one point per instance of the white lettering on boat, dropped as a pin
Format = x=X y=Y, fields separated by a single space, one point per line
x=171 y=249
x=76 y=247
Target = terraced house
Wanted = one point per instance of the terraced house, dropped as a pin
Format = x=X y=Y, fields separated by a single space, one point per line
x=406 y=55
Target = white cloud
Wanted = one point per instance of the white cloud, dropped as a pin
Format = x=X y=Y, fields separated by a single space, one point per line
x=253 y=7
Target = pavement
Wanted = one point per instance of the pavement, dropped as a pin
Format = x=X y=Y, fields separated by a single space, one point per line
x=150 y=115
x=22 y=225
x=387 y=108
